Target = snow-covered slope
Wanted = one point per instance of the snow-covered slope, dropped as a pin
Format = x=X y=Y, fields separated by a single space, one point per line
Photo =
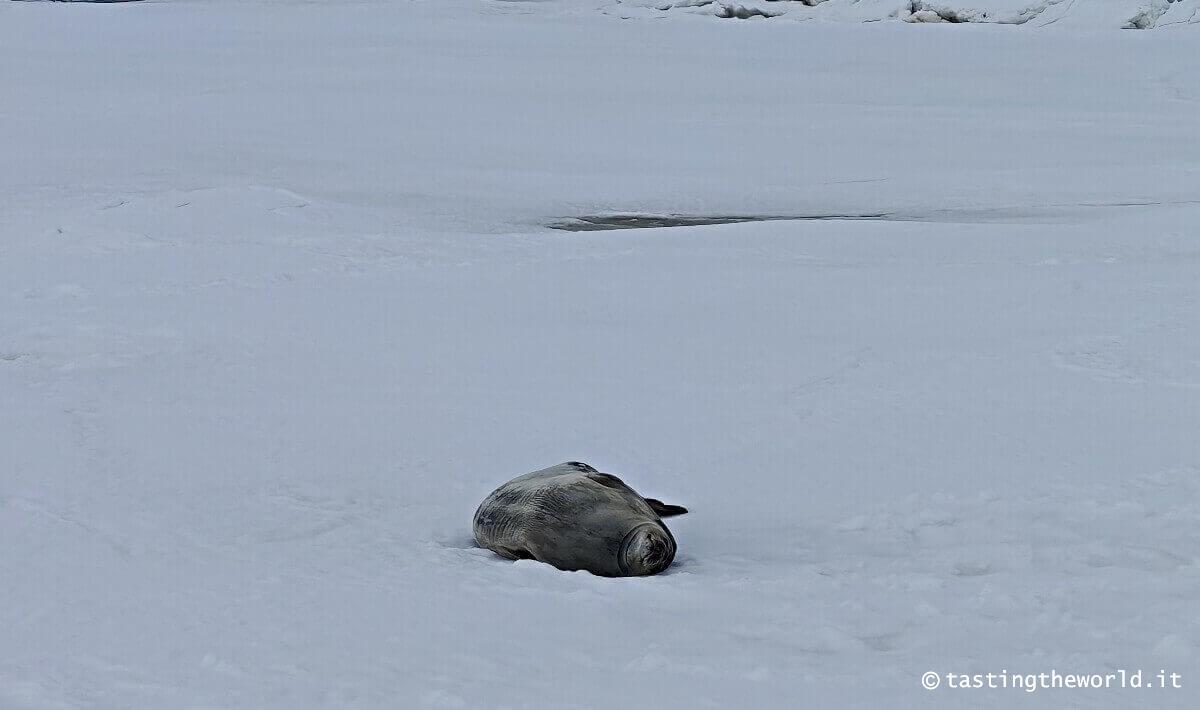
x=1073 y=14
x=278 y=307
x=1127 y=14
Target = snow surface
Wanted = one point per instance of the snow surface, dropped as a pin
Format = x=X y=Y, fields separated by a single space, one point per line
x=278 y=308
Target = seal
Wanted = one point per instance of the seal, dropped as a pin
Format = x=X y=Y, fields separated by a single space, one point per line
x=573 y=517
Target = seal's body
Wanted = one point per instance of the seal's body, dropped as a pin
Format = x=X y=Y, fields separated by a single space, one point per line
x=576 y=518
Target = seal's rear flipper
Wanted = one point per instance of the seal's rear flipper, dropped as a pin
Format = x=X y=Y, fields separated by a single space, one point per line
x=664 y=510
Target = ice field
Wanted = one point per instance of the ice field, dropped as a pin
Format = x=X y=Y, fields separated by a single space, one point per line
x=287 y=287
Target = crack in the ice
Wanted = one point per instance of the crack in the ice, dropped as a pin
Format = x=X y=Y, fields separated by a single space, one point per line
x=602 y=222
x=645 y=220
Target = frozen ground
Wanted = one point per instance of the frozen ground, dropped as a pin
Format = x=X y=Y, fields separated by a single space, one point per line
x=278 y=307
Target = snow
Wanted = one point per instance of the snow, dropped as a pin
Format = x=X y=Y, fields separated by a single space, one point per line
x=279 y=306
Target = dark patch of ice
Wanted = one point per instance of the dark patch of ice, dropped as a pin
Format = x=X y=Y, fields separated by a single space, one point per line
x=601 y=222
x=970 y=215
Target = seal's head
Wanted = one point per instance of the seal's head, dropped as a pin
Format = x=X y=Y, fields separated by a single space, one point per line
x=647 y=549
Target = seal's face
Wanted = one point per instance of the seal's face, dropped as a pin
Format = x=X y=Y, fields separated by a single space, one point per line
x=647 y=549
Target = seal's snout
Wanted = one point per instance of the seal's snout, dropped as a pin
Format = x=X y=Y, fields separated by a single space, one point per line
x=647 y=549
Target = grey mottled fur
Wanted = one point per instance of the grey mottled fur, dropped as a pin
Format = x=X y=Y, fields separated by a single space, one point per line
x=576 y=518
